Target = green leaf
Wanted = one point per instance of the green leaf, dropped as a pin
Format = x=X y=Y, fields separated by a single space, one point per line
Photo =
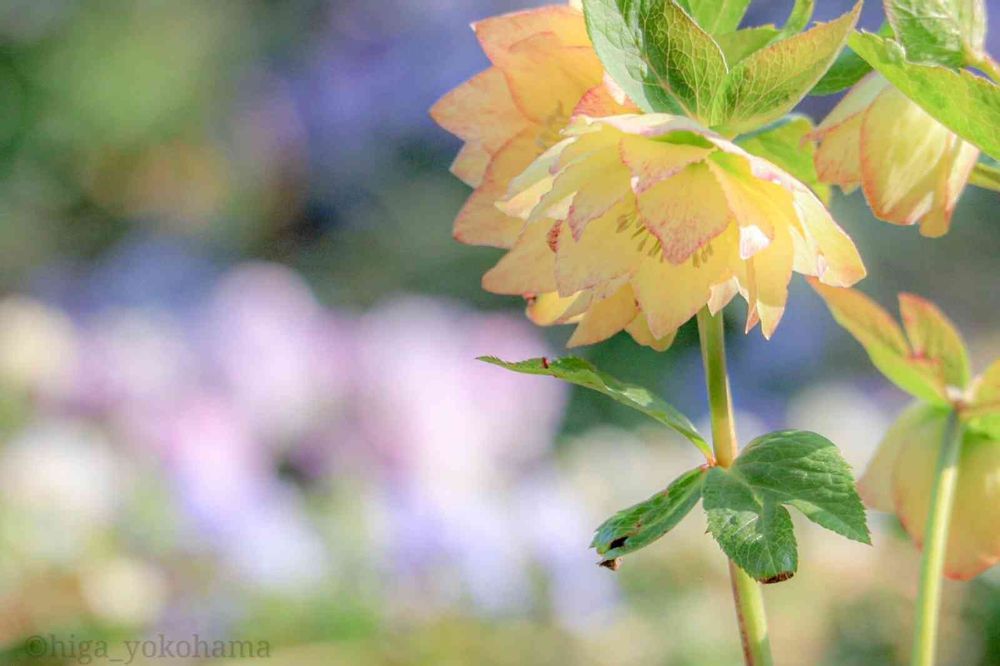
x=738 y=45
x=580 y=372
x=640 y=525
x=797 y=21
x=986 y=175
x=657 y=54
x=947 y=32
x=745 y=504
x=716 y=16
x=883 y=339
x=847 y=69
x=784 y=143
x=965 y=103
x=770 y=82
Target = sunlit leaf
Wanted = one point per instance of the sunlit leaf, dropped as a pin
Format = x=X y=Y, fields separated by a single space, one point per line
x=580 y=372
x=885 y=342
x=847 y=69
x=934 y=337
x=938 y=31
x=967 y=104
x=657 y=54
x=716 y=16
x=984 y=407
x=768 y=83
x=640 y=525
x=802 y=12
x=741 y=43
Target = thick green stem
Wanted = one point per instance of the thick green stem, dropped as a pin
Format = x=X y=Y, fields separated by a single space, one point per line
x=746 y=591
x=935 y=545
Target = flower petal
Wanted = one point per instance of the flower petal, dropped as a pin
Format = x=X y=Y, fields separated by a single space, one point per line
x=604 y=252
x=670 y=294
x=918 y=421
x=529 y=268
x=481 y=110
x=952 y=176
x=901 y=146
x=480 y=222
x=828 y=252
x=685 y=212
x=973 y=538
x=653 y=161
x=639 y=330
x=605 y=317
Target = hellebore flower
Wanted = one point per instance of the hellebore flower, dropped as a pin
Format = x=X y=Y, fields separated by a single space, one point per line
x=544 y=71
x=638 y=221
x=927 y=358
x=910 y=167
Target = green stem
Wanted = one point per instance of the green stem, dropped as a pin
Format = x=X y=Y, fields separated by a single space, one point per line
x=746 y=591
x=935 y=545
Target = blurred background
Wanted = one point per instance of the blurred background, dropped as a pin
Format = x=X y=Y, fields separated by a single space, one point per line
x=238 y=394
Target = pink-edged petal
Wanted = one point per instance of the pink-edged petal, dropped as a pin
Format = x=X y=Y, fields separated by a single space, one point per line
x=685 y=212
x=529 y=267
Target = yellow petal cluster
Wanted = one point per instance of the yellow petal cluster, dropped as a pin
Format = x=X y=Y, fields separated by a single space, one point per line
x=910 y=167
x=636 y=222
x=544 y=70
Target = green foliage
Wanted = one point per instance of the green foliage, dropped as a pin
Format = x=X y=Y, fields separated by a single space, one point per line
x=640 y=525
x=770 y=82
x=784 y=143
x=580 y=372
x=666 y=62
x=657 y=54
x=717 y=17
x=738 y=45
x=947 y=32
x=965 y=103
x=847 y=69
x=797 y=21
x=746 y=503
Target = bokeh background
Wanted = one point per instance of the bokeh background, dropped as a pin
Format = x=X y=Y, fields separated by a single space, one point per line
x=238 y=394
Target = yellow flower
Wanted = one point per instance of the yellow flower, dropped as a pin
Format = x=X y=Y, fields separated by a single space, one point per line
x=899 y=479
x=910 y=167
x=638 y=221
x=544 y=70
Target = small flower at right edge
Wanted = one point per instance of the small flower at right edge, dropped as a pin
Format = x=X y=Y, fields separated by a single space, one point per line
x=910 y=167
x=927 y=358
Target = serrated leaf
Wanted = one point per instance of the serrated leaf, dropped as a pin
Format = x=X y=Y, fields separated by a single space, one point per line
x=938 y=31
x=965 y=103
x=847 y=69
x=738 y=45
x=805 y=470
x=580 y=372
x=933 y=336
x=770 y=82
x=755 y=533
x=986 y=176
x=638 y=526
x=784 y=143
x=745 y=504
x=657 y=54
x=716 y=16
x=885 y=343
